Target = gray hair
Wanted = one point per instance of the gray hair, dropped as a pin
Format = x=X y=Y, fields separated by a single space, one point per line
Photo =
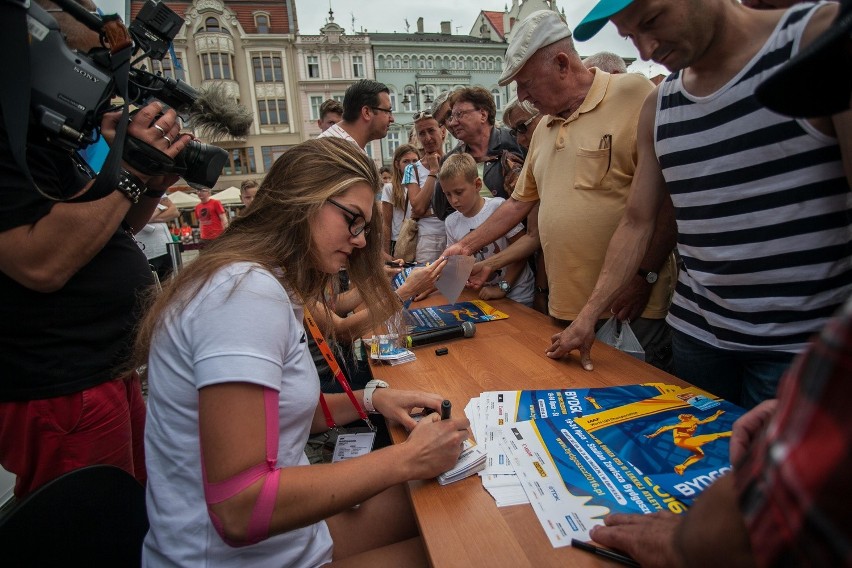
x=606 y=61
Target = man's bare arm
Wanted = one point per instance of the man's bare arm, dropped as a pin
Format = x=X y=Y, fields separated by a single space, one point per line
x=628 y=245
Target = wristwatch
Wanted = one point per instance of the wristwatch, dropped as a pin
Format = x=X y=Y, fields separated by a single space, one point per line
x=649 y=276
x=504 y=286
x=369 y=389
x=131 y=186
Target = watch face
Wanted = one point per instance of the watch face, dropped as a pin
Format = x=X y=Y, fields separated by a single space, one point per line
x=651 y=277
x=504 y=286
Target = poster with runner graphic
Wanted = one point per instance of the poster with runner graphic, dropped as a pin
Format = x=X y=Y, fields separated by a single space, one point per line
x=680 y=439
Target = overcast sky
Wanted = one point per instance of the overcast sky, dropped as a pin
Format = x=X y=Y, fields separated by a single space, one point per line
x=390 y=16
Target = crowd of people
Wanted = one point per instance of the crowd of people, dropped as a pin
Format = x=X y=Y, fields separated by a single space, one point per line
x=711 y=212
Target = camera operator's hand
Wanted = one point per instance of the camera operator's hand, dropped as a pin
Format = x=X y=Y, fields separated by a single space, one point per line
x=158 y=129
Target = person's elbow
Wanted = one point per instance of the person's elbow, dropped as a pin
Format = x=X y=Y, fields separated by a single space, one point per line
x=419 y=209
x=40 y=277
x=231 y=519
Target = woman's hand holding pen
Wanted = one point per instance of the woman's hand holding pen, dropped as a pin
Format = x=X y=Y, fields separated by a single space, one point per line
x=435 y=445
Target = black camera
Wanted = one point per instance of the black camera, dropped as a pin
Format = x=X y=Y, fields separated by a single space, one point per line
x=72 y=91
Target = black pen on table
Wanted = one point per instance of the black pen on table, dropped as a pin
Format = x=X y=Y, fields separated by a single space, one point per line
x=446 y=408
x=604 y=552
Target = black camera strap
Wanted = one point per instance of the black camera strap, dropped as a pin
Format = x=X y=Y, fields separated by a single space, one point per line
x=15 y=95
x=14 y=99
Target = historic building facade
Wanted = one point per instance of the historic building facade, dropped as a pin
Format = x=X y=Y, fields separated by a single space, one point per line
x=247 y=46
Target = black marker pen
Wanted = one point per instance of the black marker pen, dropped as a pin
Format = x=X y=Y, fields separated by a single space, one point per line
x=604 y=552
x=446 y=408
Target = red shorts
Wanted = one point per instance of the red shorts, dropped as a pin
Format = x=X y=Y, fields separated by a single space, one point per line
x=42 y=439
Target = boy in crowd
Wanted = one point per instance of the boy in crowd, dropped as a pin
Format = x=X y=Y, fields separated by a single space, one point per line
x=248 y=189
x=461 y=183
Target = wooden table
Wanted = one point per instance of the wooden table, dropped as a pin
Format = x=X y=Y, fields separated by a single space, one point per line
x=460 y=523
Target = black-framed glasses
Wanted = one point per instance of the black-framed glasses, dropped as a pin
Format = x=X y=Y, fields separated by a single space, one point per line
x=387 y=110
x=459 y=113
x=357 y=223
x=523 y=126
x=422 y=114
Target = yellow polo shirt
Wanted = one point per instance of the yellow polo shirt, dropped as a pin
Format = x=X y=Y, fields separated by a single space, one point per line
x=581 y=168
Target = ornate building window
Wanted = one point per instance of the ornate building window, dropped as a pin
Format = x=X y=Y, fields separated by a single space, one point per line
x=358 y=67
x=316 y=102
x=498 y=98
x=216 y=66
x=270 y=154
x=267 y=68
x=169 y=69
x=212 y=25
x=272 y=111
x=261 y=22
x=392 y=140
x=313 y=66
x=240 y=161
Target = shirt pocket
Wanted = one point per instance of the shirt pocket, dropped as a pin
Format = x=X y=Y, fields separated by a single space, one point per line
x=591 y=167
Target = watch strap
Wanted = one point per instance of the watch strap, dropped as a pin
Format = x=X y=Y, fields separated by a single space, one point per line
x=369 y=390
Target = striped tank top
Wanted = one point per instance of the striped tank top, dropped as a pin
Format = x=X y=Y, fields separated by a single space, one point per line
x=764 y=211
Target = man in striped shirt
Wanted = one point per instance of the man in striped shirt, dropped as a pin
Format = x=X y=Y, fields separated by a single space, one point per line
x=762 y=200
x=786 y=502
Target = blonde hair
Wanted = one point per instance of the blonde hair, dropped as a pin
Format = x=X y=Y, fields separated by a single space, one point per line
x=459 y=165
x=276 y=233
x=398 y=194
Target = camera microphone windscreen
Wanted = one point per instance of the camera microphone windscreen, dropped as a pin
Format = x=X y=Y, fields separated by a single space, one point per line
x=465 y=329
x=215 y=114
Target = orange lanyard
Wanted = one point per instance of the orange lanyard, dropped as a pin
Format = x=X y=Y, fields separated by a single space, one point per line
x=338 y=374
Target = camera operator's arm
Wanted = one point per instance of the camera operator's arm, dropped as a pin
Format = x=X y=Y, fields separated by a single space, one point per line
x=45 y=254
x=161 y=130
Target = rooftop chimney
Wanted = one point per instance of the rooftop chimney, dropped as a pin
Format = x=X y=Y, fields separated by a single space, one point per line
x=420 y=25
x=446 y=28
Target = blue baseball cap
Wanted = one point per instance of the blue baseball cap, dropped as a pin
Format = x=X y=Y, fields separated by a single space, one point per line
x=598 y=17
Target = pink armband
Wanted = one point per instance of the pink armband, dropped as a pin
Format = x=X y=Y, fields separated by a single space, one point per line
x=261 y=515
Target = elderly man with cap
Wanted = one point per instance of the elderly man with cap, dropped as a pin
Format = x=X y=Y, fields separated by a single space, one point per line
x=762 y=200
x=580 y=164
x=787 y=501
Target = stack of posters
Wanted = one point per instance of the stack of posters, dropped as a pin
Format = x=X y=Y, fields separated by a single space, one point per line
x=581 y=454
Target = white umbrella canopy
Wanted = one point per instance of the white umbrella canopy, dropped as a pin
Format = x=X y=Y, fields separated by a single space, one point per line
x=183 y=200
x=230 y=196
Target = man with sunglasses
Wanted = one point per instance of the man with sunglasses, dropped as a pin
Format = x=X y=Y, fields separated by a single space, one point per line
x=580 y=164
x=367 y=114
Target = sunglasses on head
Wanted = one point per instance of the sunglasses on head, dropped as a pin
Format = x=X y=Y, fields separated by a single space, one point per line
x=522 y=127
x=422 y=114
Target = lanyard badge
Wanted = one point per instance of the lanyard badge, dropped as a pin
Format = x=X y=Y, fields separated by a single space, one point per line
x=351 y=442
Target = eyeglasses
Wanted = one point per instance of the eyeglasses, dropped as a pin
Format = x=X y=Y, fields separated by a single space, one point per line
x=387 y=110
x=523 y=127
x=357 y=223
x=421 y=115
x=459 y=113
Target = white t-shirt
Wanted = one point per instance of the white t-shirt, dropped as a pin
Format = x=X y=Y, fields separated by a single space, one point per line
x=336 y=131
x=240 y=327
x=427 y=225
x=154 y=237
x=396 y=222
x=458 y=226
